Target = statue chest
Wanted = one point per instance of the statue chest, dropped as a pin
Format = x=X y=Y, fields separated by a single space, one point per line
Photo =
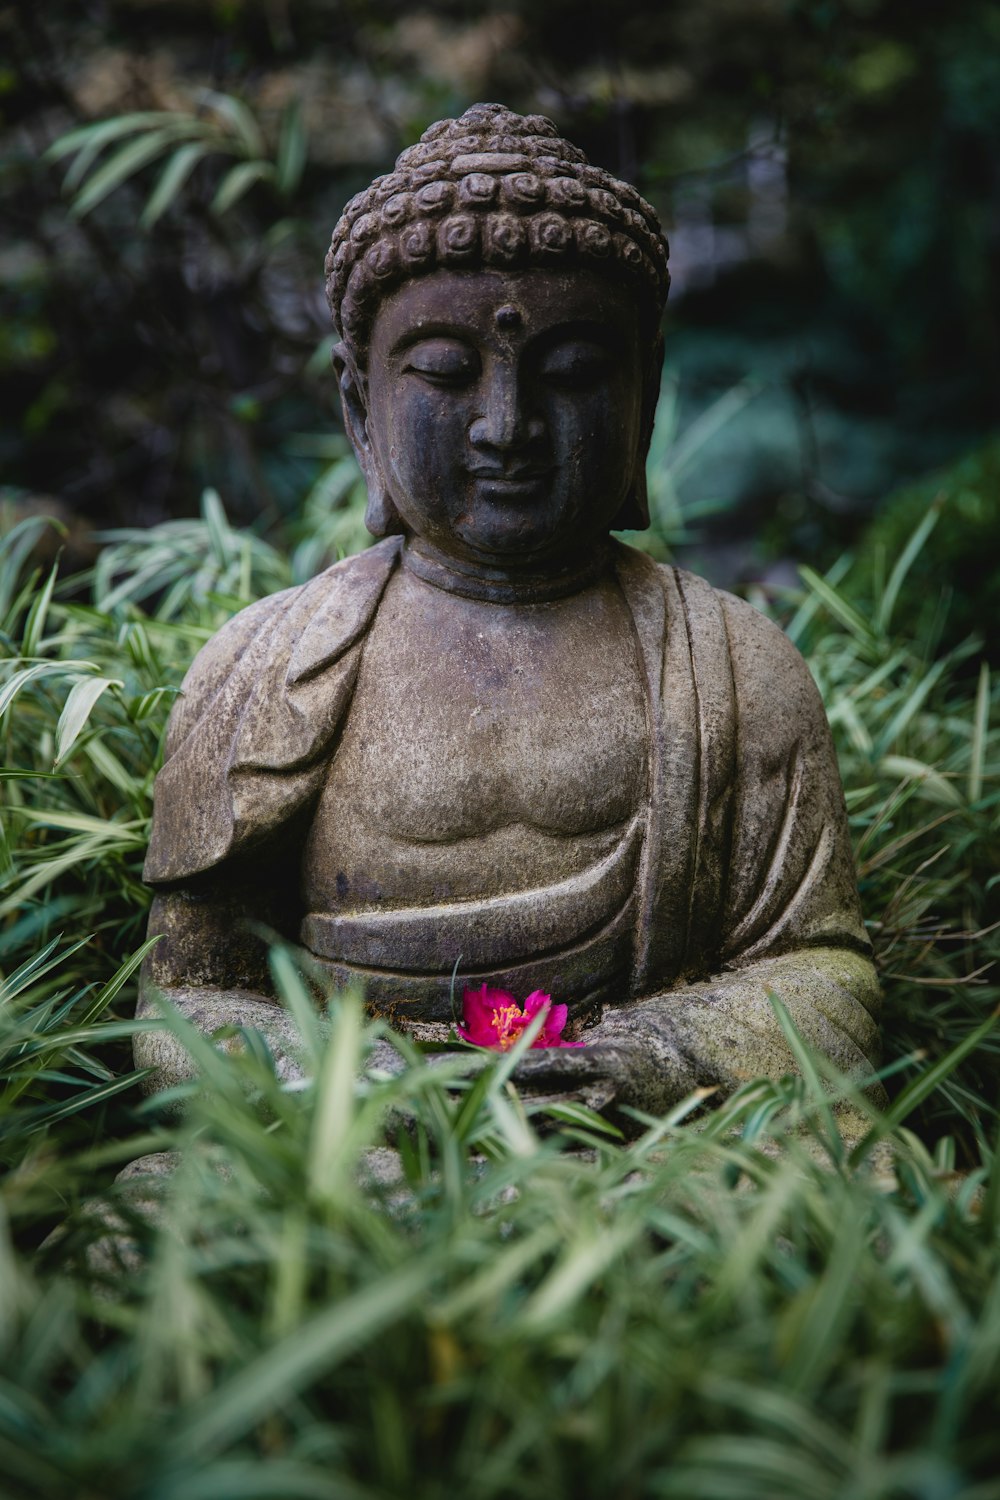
x=488 y=748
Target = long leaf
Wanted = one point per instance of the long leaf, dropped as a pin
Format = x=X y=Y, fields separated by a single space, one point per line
x=838 y=605
x=173 y=177
x=34 y=968
x=104 y=131
x=124 y=164
x=79 y=705
x=35 y=623
x=240 y=120
x=270 y=1381
x=904 y=563
x=238 y=181
x=293 y=145
x=922 y=1087
x=980 y=725
x=914 y=703
x=20 y=679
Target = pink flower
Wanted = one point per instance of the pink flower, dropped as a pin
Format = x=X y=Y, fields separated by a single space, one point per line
x=494 y=1019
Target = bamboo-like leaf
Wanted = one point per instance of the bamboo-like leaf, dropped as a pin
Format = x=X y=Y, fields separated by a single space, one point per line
x=922 y=1087
x=807 y=1067
x=912 y=706
x=124 y=164
x=335 y=1098
x=934 y=786
x=107 y=764
x=838 y=605
x=707 y=424
x=220 y=533
x=240 y=120
x=904 y=563
x=830 y=1308
x=35 y=624
x=79 y=853
x=81 y=165
x=271 y=1380
x=36 y=967
x=173 y=177
x=39 y=669
x=15 y=549
x=580 y=1264
x=298 y=1001
x=73 y=822
x=118 y=980
x=237 y=181
x=293 y=145
x=980 y=725
x=502 y=1272
x=79 y=705
x=811 y=603
x=104 y=131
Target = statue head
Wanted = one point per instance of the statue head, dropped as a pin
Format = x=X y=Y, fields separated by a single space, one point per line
x=498 y=301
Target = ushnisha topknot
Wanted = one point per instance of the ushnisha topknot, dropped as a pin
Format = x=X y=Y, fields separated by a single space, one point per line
x=491 y=189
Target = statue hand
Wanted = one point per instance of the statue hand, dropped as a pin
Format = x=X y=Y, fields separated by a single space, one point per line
x=629 y=1059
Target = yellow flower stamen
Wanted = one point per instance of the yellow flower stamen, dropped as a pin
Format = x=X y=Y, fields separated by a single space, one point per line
x=505 y=1019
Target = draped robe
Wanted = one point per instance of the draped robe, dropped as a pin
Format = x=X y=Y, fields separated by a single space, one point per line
x=745 y=878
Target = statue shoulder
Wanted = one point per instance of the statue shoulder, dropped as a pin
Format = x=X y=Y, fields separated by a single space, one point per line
x=273 y=628
x=764 y=658
x=777 y=699
x=775 y=696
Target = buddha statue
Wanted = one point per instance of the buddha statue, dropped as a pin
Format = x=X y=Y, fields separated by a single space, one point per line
x=500 y=740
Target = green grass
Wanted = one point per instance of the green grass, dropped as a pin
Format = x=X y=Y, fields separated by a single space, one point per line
x=721 y=1308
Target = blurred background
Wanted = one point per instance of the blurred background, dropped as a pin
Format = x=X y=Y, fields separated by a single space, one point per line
x=827 y=171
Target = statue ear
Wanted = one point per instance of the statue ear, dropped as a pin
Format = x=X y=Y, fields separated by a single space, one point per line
x=634 y=512
x=654 y=375
x=381 y=516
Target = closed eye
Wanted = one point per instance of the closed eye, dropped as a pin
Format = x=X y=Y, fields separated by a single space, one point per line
x=576 y=362
x=442 y=361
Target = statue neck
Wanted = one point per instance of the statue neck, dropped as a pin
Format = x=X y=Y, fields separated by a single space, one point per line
x=473 y=580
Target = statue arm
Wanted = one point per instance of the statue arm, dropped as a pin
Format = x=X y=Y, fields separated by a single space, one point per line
x=247 y=748
x=790 y=921
x=723 y=1030
x=211 y=964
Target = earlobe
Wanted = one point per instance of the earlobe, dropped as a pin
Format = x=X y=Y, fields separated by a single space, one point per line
x=352 y=401
x=634 y=512
x=381 y=516
x=653 y=379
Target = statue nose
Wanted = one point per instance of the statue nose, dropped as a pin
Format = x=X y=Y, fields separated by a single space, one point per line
x=506 y=420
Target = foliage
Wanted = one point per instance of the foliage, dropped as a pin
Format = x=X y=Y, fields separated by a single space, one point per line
x=529 y=1305
x=162 y=327
x=714 y=1309
x=135 y=140
x=957 y=567
x=919 y=750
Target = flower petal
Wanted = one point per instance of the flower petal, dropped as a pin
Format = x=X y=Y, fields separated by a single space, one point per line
x=537 y=1001
x=485 y=1001
x=555 y=1022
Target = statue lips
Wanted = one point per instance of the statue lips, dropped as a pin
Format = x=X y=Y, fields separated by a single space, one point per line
x=526 y=483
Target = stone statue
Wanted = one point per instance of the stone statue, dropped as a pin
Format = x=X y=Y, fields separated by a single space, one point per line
x=500 y=738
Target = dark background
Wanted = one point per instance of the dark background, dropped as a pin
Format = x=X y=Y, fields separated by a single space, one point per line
x=827 y=171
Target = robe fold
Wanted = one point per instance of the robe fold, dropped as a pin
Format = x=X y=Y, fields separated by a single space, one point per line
x=745 y=855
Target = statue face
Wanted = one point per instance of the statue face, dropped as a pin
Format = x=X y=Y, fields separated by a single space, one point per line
x=504 y=412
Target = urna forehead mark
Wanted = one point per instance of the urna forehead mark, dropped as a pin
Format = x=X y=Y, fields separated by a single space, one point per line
x=508 y=317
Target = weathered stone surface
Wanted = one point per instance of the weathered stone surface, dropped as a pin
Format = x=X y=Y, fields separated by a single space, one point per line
x=500 y=738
